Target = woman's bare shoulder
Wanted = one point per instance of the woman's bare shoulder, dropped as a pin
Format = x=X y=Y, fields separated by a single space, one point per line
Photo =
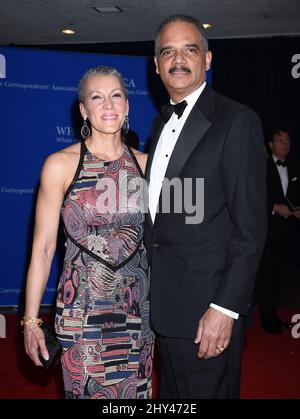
x=62 y=161
x=73 y=151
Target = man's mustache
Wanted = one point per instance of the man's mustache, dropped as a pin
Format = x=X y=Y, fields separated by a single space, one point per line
x=181 y=68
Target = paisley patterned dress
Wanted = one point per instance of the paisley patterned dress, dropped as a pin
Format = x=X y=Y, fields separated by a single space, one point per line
x=102 y=317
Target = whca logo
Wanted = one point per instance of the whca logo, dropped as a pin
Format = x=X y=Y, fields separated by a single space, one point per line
x=2 y=67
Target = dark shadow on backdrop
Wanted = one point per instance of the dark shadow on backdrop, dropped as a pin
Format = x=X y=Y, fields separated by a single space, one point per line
x=132 y=139
x=157 y=92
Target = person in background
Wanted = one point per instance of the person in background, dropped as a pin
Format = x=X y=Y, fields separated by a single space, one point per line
x=206 y=244
x=102 y=313
x=283 y=198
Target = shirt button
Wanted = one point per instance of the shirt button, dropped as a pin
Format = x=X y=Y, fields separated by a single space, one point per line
x=155 y=245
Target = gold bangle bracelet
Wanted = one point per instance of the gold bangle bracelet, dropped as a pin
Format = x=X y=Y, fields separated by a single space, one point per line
x=31 y=321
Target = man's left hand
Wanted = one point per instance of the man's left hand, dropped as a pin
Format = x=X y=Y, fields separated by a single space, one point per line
x=213 y=334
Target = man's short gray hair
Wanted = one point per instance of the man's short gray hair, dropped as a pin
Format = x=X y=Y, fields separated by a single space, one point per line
x=181 y=18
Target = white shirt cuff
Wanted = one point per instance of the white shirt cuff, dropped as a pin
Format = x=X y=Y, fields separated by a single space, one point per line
x=229 y=313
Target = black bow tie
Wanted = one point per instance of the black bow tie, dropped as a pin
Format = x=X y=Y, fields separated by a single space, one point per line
x=281 y=163
x=167 y=109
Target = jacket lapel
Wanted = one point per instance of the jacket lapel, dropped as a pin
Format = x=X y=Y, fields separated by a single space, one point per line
x=156 y=131
x=192 y=133
x=190 y=136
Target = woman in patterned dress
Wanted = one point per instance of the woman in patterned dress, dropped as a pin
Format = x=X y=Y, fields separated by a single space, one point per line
x=102 y=316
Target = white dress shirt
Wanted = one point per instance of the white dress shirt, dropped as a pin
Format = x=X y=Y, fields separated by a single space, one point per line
x=164 y=149
x=163 y=152
x=284 y=177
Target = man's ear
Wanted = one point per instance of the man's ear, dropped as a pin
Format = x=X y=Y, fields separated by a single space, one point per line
x=208 y=58
x=156 y=65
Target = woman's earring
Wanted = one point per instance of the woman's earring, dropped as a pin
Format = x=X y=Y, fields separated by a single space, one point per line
x=126 y=125
x=85 y=130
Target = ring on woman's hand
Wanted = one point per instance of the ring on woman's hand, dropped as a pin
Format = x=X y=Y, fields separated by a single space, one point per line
x=221 y=349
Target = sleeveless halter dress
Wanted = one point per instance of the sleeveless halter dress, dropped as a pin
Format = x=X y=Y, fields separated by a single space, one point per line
x=102 y=317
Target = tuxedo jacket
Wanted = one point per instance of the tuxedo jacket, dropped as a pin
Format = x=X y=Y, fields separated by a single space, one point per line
x=275 y=195
x=214 y=261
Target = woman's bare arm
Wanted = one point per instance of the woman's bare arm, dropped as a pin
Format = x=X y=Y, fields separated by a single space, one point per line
x=48 y=207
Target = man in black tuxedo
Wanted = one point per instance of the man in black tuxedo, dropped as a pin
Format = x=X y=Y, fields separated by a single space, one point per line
x=205 y=232
x=283 y=197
